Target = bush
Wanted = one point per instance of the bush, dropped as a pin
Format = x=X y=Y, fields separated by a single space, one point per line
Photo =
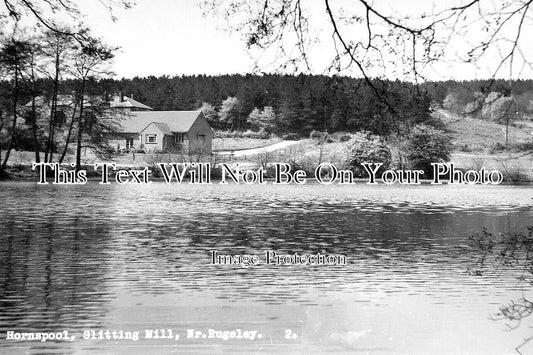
x=317 y=134
x=314 y=134
x=514 y=147
x=465 y=148
x=426 y=145
x=345 y=138
x=367 y=148
x=291 y=137
x=105 y=152
x=228 y=134
x=523 y=147
x=154 y=159
x=514 y=172
x=262 y=134
x=248 y=134
x=497 y=148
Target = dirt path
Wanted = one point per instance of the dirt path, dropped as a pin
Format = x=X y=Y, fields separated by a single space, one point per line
x=254 y=151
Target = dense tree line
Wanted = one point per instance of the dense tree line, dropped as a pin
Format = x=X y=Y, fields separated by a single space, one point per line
x=304 y=103
x=300 y=103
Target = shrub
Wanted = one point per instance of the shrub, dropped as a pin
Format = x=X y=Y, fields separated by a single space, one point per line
x=426 y=145
x=497 y=148
x=513 y=172
x=345 y=138
x=291 y=137
x=105 y=152
x=367 y=148
x=523 y=147
x=317 y=134
x=248 y=134
x=153 y=160
x=262 y=134
x=228 y=134
x=465 y=148
x=514 y=147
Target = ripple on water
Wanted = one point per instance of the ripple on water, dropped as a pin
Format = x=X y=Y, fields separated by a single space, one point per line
x=70 y=256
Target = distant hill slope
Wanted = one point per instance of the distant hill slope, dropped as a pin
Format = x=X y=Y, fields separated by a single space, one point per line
x=475 y=140
x=476 y=135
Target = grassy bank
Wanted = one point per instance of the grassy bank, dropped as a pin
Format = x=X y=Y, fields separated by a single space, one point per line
x=229 y=144
x=476 y=144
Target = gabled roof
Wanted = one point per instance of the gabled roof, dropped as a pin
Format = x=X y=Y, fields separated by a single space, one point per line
x=128 y=102
x=161 y=126
x=176 y=121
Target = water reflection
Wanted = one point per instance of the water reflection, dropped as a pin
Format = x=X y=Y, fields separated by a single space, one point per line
x=72 y=257
x=53 y=270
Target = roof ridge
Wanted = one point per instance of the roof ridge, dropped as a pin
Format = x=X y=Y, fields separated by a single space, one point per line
x=174 y=121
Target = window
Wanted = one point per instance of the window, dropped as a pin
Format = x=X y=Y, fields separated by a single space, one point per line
x=151 y=139
x=129 y=143
x=179 y=137
x=201 y=138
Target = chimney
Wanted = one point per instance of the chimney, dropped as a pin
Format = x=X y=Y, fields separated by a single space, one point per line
x=121 y=95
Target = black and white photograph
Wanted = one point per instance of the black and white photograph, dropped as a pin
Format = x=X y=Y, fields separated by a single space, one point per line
x=266 y=177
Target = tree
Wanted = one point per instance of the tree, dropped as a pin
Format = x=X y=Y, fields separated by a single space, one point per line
x=34 y=67
x=365 y=147
x=59 y=50
x=14 y=55
x=91 y=60
x=99 y=123
x=426 y=145
x=501 y=109
x=210 y=113
x=254 y=118
x=230 y=112
x=502 y=251
x=371 y=40
x=377 y=40
x=263 y=120
x=43 y=12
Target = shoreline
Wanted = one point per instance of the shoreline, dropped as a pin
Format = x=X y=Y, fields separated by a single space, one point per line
x=27 y=175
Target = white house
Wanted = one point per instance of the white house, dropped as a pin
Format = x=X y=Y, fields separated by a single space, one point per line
x=178 y=131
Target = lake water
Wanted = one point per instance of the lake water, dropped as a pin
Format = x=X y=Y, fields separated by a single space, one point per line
x=136 y=257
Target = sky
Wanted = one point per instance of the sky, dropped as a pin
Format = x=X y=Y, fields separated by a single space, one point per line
x=172 y=37
x=161 y=37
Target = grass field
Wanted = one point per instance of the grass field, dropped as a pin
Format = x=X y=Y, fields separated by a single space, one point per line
x=475 y=135
x=474 y=142
x=223 y=144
